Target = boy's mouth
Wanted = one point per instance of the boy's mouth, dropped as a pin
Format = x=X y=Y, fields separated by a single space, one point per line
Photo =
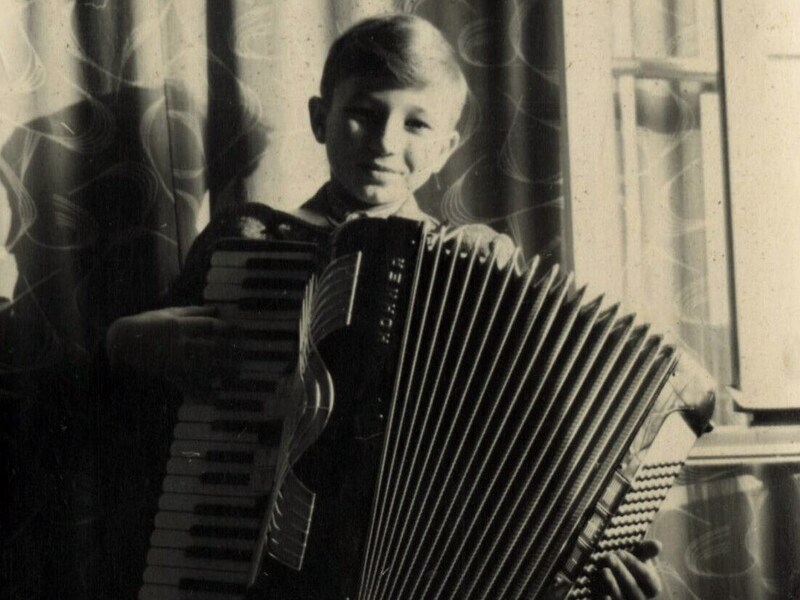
x=379 y=170
x=376 y=174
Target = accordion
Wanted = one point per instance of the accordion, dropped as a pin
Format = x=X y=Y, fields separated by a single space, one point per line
x=417 y=419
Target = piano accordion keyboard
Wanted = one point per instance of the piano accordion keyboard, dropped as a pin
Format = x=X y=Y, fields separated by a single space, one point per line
x=212 y=515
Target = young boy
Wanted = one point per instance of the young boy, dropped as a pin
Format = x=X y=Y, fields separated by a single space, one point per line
x=391 y=96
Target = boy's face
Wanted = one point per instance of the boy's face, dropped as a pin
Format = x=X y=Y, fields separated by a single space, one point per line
x=384 y=143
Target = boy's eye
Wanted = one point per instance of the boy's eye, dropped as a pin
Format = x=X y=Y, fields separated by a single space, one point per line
x=360 y=113
x=417 y=124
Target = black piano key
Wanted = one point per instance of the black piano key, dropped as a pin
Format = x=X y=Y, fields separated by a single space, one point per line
x=274 y=283
x=178 y=557
x=223 y=292
x=237 y=410
x=261 y=340
x=230 y=456
x=200 y=448
x=173 y=538
x=258 y=304
x=304 y=263
x=238 y=507
x=239 y=533
x=256 y=260
x=234 y=313
x=239 y=354
x=241 y=276
x=229 y=510
x=217 y=553
x=235 y=581
x=225 y=478
x=239 y=404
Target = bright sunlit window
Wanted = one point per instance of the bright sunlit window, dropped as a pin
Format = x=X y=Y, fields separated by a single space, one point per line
x=683 y=201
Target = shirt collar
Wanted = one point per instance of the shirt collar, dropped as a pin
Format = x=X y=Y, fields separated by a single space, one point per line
x=342 y=208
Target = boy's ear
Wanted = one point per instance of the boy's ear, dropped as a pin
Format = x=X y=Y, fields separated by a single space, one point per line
x=318 y=114
x=449 y=145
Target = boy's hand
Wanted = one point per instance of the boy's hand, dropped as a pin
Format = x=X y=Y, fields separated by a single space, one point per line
x=626 y=575
x=486 y=239
x=183 y=344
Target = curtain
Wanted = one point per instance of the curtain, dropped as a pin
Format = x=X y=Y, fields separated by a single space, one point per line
x=123 y=125
x=724 y=536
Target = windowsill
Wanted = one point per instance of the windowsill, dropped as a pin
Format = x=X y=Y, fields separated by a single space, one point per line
x=732 y=445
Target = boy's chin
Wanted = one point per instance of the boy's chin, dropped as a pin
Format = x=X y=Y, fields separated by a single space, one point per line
x=381 y=196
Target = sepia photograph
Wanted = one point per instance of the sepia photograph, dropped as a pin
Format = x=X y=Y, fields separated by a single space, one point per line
x=400 y=299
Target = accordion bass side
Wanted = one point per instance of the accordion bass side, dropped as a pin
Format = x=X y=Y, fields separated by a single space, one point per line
x=492 y=433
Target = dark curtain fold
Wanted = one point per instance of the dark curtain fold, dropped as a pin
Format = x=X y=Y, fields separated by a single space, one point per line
x=508 y=171
x=224 y=122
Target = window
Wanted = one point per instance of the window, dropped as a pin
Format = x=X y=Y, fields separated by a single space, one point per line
x=667 y=204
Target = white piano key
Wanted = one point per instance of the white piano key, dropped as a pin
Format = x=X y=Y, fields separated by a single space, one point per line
x=168 y=592
x=223 y=432
x=258 y=483
x=172 y=557
x=198 y=466
x=216 y=460
x=204 y=431
x=266 y=326
x=186 y=521
x=168 y=576
x=190 y=503
x=200 y=448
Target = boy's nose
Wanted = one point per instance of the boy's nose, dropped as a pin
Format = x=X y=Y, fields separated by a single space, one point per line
x=386 y=138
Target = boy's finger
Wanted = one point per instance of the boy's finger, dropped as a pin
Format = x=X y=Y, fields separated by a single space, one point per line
x=644 y=574
x=627 y=584
x=609 y=584
x=647 y=549
x=197 y=326
x=194 y=311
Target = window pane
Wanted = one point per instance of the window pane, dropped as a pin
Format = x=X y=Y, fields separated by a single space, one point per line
x=664 y=28
x=671 y=183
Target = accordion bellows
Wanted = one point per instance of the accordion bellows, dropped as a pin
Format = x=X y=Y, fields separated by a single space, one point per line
x=479 y=443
